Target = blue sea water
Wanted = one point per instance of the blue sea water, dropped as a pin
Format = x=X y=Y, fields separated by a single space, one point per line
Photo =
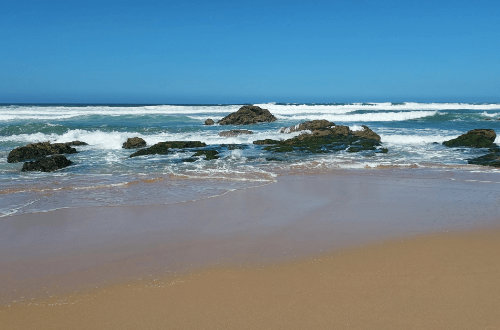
x=104 y=175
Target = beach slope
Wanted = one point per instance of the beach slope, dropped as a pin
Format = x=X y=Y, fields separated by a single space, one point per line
x=438 y=281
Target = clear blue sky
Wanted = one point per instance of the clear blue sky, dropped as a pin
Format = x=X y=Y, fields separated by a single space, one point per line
x=249 y=51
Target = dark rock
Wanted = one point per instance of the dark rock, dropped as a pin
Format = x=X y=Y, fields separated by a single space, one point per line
x=47 y=164
x=327 y=140
x=133 y=143
x=209 y=121
x=365 y=144
x=38 y=150
x=162 y=148
x=476 y=138
x=234 y=132
x=77 y=143
x=274 y=159
x=246 y=115
x=266 y=141
x=209 y=154
x=308 y=125
x=491 y=159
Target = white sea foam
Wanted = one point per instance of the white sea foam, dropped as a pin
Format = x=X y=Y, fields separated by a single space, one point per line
x=100 y=139
x=356 y=127
x=491 y=114
x=414 y=139
x=378 y=106
x=16 y=112
x=365 y=117
x=114 y=140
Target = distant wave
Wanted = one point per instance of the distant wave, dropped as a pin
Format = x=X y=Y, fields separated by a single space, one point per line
x=381 y=106
x=34 y=112
x=365 y=117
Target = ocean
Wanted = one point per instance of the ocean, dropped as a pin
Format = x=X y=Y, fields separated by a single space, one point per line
x=104 y=175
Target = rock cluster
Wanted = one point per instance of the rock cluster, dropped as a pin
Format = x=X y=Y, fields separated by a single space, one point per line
x=479 y=138
x=134 y=143
x=476 y=138
x=209 y=122
x=246 y=115
x=327 y=138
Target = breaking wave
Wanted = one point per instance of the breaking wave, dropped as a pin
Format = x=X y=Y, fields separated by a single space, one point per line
x=39 y=112
x=366 y=117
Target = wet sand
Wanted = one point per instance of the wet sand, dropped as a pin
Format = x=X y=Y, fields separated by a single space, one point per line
x=437 y=281
x=297 y=217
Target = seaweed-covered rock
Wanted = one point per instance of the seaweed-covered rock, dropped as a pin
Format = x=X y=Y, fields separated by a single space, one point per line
x=134 y=143
x=308 y=125
x=326 y=140
x=163 y=148
x=209 y=122
x=77 y=143
x=38 y=150
x=208 y=154
x=234 y=132
x=246 y=115
x=476 y=138
x=47 y=164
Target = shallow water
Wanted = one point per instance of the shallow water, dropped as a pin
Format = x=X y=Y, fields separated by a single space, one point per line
x=103 y=174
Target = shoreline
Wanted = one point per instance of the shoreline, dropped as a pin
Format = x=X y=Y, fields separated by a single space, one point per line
x=296 y=217
x=438 y=280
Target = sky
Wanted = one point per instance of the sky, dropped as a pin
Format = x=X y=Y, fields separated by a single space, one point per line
x=182 y=52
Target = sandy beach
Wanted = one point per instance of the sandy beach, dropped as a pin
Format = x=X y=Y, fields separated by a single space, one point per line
x=350 y=249
x=440 y=281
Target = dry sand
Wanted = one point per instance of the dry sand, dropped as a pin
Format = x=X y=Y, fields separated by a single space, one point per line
x=438 y=281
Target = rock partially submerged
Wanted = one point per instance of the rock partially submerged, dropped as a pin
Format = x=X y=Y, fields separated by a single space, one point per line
x=491 y=159
x=208 y=154
x=476 y=138
x=327 y=138
x=163 y=148
x=38 y=150
x=47 y=164
x=234 y=132
x=308 y=126
x=209 y=122
x=77 y=143
x=266 y=141
x=246 y=115
x=134 y=143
